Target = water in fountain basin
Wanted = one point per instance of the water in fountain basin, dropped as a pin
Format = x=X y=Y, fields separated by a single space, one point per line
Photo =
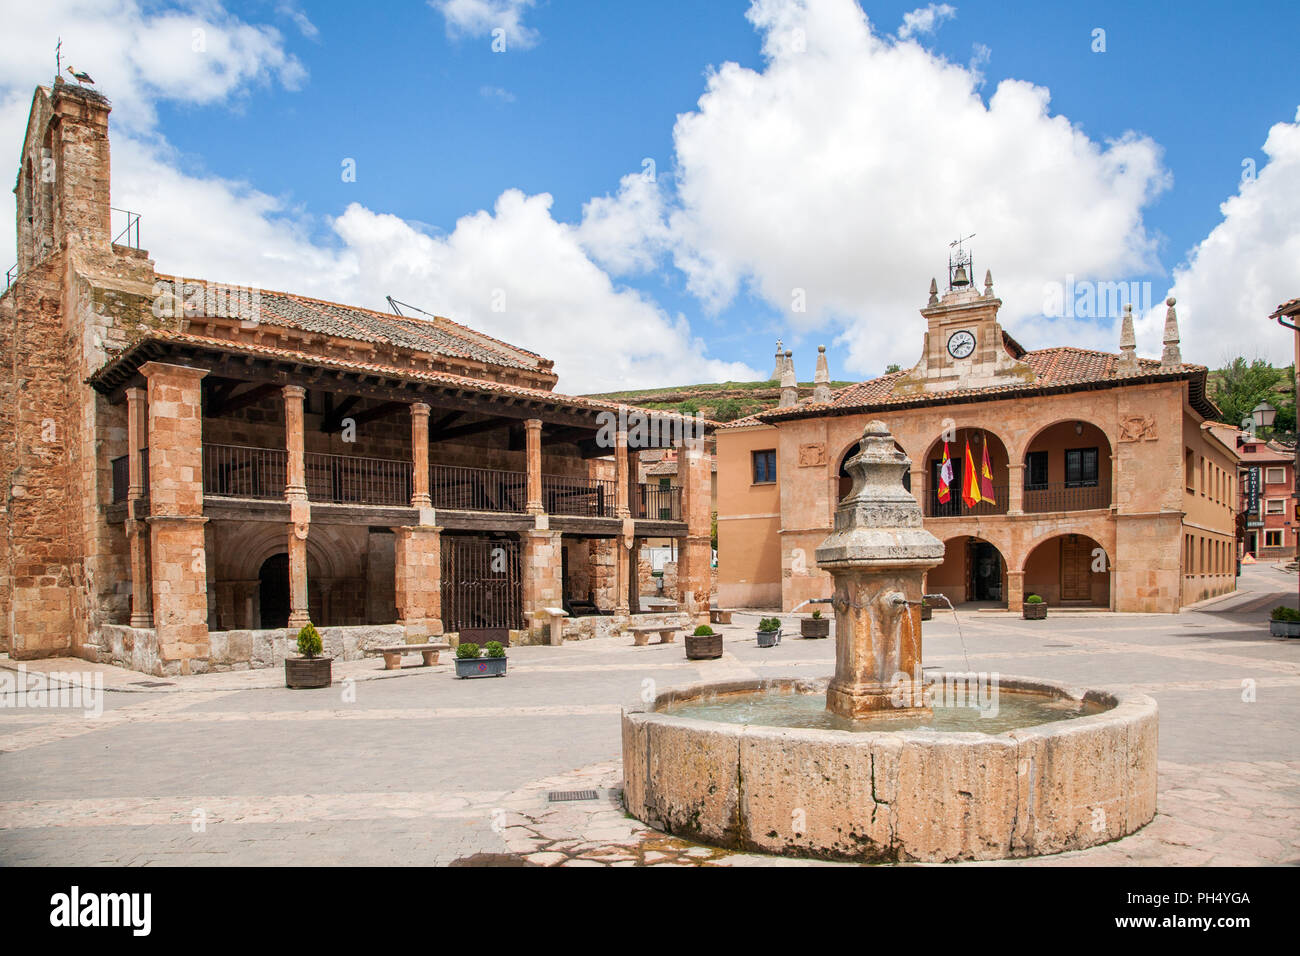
x=808 y=711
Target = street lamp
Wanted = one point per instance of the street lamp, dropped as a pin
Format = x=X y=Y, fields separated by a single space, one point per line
x=1264 y=414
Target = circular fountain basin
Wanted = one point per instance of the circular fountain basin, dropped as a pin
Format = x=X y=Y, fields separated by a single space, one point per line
x=1062 y=769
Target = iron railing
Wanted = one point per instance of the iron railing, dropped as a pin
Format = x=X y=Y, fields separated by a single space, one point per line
x=459 y=488
x=657 y=502
x=132 y=231
x=578 y=496
x=236 y=471
x=956 y=507
x=10 y=275
x=1061 y=496
x=343 y=479
x=121 y=478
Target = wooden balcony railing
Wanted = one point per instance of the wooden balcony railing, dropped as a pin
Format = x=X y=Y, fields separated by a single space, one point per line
x=348 y=480
x=237 y=471
x=657 y=503
x=121 y=477
x=457 y=488
x=578 y=496
x=954 y=507
x=1064 y=497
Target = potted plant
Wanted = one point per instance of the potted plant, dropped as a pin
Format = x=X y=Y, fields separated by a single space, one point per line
x=1285 y=622
x=927 y=611
x=769 y=632
x=1035 y=608
x=704 y=645
x=470 y=661
x=310 y=670
x=815 y=626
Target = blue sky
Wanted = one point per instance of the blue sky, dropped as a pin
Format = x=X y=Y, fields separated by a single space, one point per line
x=440 y=126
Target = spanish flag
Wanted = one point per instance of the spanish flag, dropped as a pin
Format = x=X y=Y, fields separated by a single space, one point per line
x=986 y=477
x=945 y=476
x=970 y=489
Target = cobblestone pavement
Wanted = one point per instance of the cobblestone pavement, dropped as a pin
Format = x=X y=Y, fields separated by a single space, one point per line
x=415 y=767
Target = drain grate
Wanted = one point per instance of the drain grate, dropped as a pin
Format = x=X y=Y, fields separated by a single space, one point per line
x=565 y=796
x=151 y=683
x=1058 y=645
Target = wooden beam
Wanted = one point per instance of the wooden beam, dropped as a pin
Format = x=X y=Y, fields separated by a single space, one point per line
x=332 y=421
x=475 y=428
x=234 y=402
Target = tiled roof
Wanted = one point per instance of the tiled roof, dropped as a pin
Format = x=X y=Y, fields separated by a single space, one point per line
x=436 y=336
x=1289 y=308
x=1057 y=369
x=109 y=376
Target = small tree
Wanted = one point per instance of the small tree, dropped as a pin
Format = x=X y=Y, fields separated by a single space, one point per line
x=309 y=644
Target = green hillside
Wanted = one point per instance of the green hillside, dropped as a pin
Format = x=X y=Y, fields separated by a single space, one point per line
x=720 y=401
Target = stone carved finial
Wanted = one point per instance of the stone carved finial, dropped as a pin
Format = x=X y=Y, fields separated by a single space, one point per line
x=822 y=379
x=789 y=383
x=934 y=293
x=1127 y=341
x=1172 y=355
x=988 y=283
x=779 y=365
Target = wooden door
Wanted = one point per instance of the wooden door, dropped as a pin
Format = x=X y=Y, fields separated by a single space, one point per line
x=1076 y=561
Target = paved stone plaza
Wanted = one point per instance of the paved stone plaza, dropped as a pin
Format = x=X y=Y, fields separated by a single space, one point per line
x=416 y=767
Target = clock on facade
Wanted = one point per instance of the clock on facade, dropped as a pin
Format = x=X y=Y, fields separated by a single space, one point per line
x=961 y=344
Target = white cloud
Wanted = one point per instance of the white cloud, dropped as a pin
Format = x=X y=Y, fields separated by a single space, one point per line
x=627 y=233
x=496 y=93
x=1238 y=275
x=479 y=18
x=925 y=19
x=847 y=164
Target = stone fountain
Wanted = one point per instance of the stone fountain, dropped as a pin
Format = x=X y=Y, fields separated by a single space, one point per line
x=880 y=771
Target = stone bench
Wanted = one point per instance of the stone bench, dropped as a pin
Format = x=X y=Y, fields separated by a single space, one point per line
x=719 y=616
x=393 y=654
x=641 y=634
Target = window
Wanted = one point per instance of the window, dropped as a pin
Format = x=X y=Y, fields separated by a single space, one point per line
x=1035 y=470
x=1081 y=468
x=1275 y=476
x=1275 y=506
x=765 y=467
x=1273 y=539
x=1189 y=470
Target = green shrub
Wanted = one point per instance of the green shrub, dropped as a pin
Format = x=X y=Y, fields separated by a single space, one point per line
x=467 y=652
x=309 y=644
x=1284 y=613
x=494 y=649
x=817 y=615
x=769 y=624
x=704 y=631
x=1033 y=599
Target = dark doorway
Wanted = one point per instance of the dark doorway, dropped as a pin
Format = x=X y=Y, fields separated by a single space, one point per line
x=986 y=572
x=482 y=593
x=273 y=587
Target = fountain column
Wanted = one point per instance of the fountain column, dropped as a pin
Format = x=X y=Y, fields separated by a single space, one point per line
x=878 y=555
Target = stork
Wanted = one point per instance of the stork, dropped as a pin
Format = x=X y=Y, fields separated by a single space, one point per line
x=82 y=78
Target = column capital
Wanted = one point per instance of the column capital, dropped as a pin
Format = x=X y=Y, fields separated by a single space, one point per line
x=294 y=391
x=420 y=409
x=150 y=369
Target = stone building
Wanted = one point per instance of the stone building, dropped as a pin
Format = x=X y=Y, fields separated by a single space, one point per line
x=193 y=469
x=1267 y=494
x=1105 y=490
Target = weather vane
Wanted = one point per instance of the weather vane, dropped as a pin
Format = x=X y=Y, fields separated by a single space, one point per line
x=58 y=57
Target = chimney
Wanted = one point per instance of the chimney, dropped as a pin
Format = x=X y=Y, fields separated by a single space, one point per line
x=1172 y=355
x=1128 y=361
x=822 y=380
x=789 y=384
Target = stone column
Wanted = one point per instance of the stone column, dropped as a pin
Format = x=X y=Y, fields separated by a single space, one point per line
x=695 y=554
x=543 y=572
x=634 y=577
x=178 y=555
x=137 y=438
x=878 y=555
x=420 y=456
x=533 y=444
x=1015 y=590
x=621 y=509
x=1015 y=489
x=295 y=488
x=418 y=569
x=622 y=568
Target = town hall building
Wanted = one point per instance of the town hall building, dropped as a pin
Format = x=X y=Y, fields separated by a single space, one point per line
x=1098 y=485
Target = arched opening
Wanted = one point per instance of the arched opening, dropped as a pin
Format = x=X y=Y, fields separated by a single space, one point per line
x=973 y=570
x=273 y=591
x=1069 y=569
x=1067 y=468
x=846 y=481
x=992 y=488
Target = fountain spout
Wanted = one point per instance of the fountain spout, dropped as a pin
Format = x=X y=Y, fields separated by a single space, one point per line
x=877 y=556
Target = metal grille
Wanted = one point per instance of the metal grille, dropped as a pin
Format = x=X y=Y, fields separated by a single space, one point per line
x=565 y=796
x=657 y=502
x=582 y=497
x=481 y=586
x=456 y=488
x=344 y=479
x=236 y=471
